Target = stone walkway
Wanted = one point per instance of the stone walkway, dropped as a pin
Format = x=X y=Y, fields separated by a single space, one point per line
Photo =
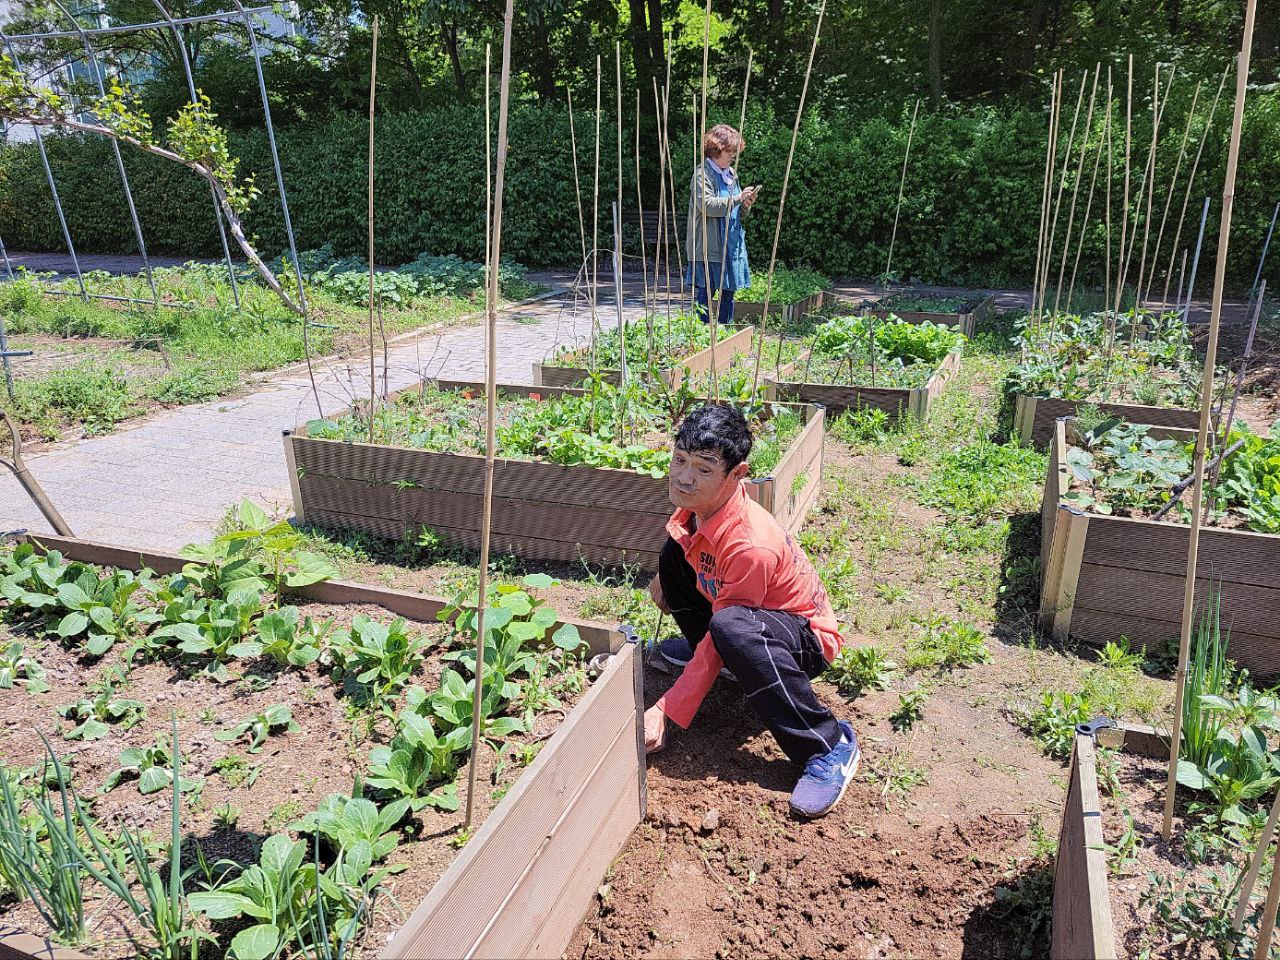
x=168 y=480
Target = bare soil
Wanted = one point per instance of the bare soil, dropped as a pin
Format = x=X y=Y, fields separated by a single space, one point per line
x=294 y=771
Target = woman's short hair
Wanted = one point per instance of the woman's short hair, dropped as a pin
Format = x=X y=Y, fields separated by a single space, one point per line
x=719 y=138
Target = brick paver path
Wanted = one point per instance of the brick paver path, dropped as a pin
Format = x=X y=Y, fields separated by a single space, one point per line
x=168 y=480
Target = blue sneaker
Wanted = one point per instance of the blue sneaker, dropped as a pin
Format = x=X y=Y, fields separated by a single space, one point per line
x=674 y=655
x=826 y=777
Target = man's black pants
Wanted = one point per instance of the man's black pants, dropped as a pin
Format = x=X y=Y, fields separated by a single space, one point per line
x=774 y=655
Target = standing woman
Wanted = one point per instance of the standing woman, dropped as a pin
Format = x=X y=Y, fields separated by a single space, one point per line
x=714 y=189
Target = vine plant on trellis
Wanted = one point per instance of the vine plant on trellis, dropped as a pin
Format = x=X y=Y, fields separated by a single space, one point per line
x=192 y=139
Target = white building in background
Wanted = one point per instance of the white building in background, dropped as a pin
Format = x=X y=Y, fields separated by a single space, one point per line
x=269 y=26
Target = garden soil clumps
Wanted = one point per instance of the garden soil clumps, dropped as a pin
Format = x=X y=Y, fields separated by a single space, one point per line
x=874 y=878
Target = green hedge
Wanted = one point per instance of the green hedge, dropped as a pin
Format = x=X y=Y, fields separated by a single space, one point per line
x=970 y=213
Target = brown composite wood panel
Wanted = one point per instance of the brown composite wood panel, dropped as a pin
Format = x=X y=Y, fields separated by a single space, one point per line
x=541 y=548
x=1082 y=927
x=560 y=812
x=1238 y=556
x=517 y=479
x=1259 y=654
x=892 y=400
x=727 y=348
x=17 y=945
x=1037 y=430
x=601 y=526
x=967 y=318
x=415 y=606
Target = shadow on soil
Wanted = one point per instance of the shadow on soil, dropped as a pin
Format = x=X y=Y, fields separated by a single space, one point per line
x=1019 y=598
x=1015 y=923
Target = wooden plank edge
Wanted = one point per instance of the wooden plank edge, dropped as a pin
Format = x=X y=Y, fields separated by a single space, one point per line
x=404 y=938
x=16 y=944
x=295 y=489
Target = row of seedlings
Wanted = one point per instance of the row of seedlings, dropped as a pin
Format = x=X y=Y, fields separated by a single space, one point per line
x=294 y=742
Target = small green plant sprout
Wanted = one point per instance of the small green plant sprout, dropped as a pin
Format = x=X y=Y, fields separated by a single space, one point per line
x=16 y=668
x=95 y=717
x=237 y=771
x=260 y=726
x=153 y=768
x=461 y=838
x=1052 y=724
x=345 y=821
x=376 y=660
x=861 y=668
x=419 y=765
x=288 y=643
x=945 y=645
x=226 y=817
x=1117 y=655
x=910 y=709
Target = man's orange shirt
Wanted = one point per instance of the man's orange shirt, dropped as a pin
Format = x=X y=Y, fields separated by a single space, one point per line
x=743 y=558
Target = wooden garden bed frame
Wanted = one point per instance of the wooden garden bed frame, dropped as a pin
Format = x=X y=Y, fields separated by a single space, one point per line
x=523 y=883
x=541 y=511
x=790 y=312
x=739 y=342
x=972 y=312
x=898 y=402
x=1034 y=417
x=1104 y=577
x=1082 y=925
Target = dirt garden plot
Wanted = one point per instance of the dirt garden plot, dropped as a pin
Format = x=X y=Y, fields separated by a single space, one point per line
x=242 y=789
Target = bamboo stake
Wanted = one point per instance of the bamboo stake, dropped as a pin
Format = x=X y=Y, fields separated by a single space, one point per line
x=1046 y=191
x=577 y=188
x=373 y=90
x=595 y=228
x=666 y=139
x=661 y=253
x=1206 y=396
x=1106 y=284
x=713 y=308
x=1262 y=948
x=737 y=166
x=742 y=114
x=1173 y=182
x=782 y=204
x=1088 y=207
x=644 y=253
x=1186 y=197
x=1255 y=865
x=617 y=52
x=494 y=257
x=1075 y=188
x=1062 y=182
x=488 y=158
x=1151 y=183
x=902 y=183
x=1124 y=209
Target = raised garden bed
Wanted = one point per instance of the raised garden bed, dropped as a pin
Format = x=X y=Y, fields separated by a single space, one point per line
x=679 y=355
x=964 y=313
x=541 y=510
x=793 y=295
x=1149 y=375
x=836 y=371
x=518 y=886
x=1107 y=576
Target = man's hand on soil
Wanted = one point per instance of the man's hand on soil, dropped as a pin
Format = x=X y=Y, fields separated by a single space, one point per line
x=655 y=591
x=655 y=730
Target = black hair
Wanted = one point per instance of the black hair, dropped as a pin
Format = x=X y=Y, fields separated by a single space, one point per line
x=715 y=428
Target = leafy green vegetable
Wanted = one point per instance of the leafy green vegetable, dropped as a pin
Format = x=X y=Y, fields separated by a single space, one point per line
x=260 y=726
x=17 y=668
x=788 y=286
x=95 y=716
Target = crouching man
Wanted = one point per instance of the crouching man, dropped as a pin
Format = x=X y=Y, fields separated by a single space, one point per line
x=747 y=600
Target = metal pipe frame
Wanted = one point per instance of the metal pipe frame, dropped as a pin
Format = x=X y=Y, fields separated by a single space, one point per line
x=48 y=172
x=4 y=254
x=195 y=99
x=275 y=160
x=96 y=66
x=131 y=27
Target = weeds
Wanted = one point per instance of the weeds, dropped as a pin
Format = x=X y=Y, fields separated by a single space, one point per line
x=945 y=646
x=859 y=668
